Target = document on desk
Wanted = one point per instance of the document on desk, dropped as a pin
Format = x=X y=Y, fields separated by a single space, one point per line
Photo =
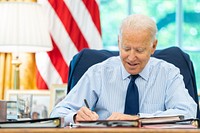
x=38 y=123
x=160 y=119
x=107 y=123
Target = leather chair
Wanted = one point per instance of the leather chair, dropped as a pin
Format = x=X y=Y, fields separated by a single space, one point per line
x=88 y=57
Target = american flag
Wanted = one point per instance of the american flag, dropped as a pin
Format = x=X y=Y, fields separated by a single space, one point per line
x=73 y=25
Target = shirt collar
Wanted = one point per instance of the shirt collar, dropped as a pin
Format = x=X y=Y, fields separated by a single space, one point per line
x=144 y=73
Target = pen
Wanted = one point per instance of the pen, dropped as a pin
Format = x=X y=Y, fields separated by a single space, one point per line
x=86 y=103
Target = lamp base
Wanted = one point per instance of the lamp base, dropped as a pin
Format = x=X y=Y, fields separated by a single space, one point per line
x=16 y=63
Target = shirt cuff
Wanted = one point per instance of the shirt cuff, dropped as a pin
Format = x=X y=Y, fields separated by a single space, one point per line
x=69 y=118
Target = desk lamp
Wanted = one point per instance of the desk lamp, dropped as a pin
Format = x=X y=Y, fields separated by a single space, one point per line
x=23 y=28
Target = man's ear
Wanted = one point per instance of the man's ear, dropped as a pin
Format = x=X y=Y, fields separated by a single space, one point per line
x=118 y=42
x=154 y=46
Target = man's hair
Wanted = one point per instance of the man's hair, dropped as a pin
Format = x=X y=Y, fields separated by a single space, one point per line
x=139 y=22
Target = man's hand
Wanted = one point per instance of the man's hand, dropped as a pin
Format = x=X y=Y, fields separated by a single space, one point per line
x=85 y=114
x=120 y=116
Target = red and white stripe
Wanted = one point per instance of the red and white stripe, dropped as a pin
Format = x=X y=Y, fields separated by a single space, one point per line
x=74 y=25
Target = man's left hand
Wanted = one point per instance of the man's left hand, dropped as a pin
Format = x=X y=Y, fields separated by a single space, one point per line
x=120 y=116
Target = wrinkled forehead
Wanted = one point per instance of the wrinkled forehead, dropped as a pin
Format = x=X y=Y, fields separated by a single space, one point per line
x=136 y=35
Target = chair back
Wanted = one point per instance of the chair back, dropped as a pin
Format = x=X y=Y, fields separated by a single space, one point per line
x=88 y=57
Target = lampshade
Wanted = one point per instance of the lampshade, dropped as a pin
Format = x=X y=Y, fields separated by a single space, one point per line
x=23 y=28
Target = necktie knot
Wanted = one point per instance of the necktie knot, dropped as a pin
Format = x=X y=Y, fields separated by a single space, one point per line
x=133 y=77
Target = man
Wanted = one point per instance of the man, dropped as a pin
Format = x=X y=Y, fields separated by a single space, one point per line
x=160 y=85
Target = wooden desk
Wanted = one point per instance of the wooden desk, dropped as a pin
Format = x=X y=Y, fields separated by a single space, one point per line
x=97 y=130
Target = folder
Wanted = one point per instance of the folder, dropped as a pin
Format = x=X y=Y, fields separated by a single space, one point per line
x=37 y=123
x=186 y=124
x=107 y=123
x=160 y=119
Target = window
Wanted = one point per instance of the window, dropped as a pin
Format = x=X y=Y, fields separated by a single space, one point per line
x=112 y=13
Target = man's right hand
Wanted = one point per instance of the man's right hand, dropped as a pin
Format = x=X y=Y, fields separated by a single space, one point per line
x=85 y=114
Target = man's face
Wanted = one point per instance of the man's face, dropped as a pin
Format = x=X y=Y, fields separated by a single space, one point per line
x=135 y=50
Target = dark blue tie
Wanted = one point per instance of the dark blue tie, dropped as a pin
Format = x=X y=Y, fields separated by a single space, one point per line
x=132 y=98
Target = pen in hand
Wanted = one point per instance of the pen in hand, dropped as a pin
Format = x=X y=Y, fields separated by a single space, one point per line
x=86 y=103
x=94 y=116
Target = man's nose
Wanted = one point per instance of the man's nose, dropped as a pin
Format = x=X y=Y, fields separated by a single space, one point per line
x=132 y=55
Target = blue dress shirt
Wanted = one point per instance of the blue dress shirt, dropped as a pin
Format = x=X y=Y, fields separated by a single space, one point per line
x=104 y=85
